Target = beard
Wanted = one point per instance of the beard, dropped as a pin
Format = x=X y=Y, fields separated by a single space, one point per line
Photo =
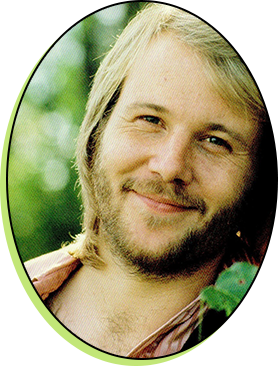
x=181 y=256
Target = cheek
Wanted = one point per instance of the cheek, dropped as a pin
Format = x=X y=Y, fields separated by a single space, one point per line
x=121 y=154
x=222 y=183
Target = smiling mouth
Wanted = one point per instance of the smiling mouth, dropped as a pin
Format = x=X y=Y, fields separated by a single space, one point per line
x=163 y=205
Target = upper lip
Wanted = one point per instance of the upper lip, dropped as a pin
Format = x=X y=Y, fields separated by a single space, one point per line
x=164 y=200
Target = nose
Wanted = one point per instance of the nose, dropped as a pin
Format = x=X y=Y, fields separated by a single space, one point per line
x=172 y=159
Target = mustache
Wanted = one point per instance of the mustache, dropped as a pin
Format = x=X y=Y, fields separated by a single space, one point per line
x=175 y=192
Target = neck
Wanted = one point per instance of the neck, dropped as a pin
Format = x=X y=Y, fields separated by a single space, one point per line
x=130 y=290
x=123 y=308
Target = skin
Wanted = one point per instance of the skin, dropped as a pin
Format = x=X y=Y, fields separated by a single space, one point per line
x=169 y=126
x=171 y=157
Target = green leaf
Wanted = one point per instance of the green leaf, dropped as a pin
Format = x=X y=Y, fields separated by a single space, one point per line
x=230 y=287
x=219 y=300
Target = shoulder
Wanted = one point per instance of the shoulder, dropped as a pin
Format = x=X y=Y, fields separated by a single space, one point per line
x=37 y=266
x=49 y=271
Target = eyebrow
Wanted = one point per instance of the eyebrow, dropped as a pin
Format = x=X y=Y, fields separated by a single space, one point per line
x=155 y=107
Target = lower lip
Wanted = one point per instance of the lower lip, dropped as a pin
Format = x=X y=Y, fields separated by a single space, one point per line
x=161 y=207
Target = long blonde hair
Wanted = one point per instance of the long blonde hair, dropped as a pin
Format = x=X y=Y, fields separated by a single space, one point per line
x=225 y=68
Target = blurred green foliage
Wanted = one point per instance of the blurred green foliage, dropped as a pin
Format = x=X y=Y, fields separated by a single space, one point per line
x=45 y=209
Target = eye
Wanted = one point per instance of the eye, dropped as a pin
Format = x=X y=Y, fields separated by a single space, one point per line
x=214 y=140
x=151 y=119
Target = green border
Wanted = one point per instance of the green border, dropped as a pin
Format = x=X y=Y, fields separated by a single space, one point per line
x=30 y=334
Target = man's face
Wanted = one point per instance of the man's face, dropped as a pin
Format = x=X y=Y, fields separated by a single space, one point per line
x=173 y=158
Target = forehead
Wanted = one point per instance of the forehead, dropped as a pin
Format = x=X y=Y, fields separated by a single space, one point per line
x=170 y=74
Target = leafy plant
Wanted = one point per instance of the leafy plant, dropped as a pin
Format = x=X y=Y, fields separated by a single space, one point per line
x=228 y=291
x=230 y=287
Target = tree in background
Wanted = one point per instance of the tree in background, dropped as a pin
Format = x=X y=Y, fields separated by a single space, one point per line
x=45 y=209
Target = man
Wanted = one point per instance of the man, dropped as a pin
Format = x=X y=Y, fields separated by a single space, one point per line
x=171 y=155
